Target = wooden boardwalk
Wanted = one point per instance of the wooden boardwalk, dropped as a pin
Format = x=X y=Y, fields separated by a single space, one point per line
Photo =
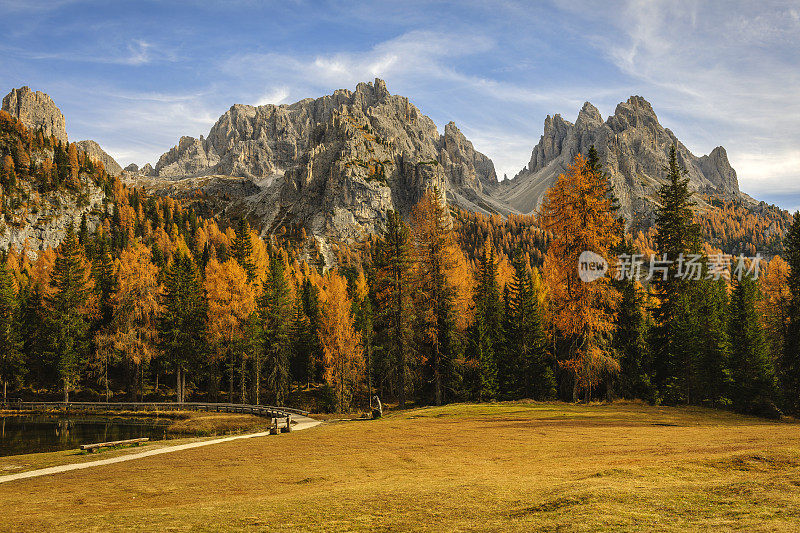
x=268 y=411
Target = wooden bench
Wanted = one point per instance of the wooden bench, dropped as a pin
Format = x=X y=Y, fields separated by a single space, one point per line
x=91 y=448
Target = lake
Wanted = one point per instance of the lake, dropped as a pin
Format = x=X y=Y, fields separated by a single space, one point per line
x=42 y=433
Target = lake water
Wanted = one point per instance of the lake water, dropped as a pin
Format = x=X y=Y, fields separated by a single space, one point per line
x=31 y=434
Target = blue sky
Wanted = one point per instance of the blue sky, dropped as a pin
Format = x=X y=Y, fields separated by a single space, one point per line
x=135 y=76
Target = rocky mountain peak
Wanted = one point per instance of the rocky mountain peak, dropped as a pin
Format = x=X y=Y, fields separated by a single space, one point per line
x=334 y=164
x=98 y=154
x=588 y=117
x=634 y=112
x=35 y=110
x=633 y=147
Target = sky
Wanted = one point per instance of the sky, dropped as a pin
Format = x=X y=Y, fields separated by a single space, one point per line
x=136 y=76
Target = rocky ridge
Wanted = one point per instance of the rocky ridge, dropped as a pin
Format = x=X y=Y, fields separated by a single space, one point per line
x=334 y=164
x=633 y=147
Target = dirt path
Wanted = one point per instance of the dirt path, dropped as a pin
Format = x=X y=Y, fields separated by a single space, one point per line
x=301 y=423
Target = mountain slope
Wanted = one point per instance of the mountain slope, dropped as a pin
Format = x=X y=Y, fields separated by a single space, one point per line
x=333 y=165
x=633 y=147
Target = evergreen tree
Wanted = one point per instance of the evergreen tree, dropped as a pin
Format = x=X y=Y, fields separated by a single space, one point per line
x=393 y=294
x=487 y=330
x=710 y=313
x=183 y=322
x=41 y=369
x=105 y=281
x=303 y=342
x=790 y=361
x=526 y=372
x=310 y=302
x=752 y=373
x=11 y=360
x=675 y=315
x=275 y=308
x=68 y=325
x=630 y=339
x=243 y=249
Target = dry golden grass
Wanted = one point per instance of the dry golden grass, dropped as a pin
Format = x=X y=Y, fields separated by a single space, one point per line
x=511 y=466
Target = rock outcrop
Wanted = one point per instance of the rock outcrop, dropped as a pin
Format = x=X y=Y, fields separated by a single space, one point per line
x=36 y=110
x=633 y=147
x=334 y=164
x=98 y=154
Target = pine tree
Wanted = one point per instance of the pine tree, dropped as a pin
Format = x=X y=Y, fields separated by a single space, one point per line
x=393 y=295
x=275 y=308
x=243 y=249
x=182 y=325
x=675 y=313
x=11 y=360
x=526 y=372
x=487 y=329
x=790 y=361
x=630 y=339
x=303 y=341
x=310 y=302
x=752 y=373
x=105 y=280
x=68 y=324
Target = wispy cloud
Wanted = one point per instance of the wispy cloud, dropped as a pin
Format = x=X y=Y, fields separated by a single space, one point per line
x=727 y=73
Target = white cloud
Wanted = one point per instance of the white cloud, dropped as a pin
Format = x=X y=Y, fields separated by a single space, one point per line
x=774 y=172
x=275 y=96
x=721 y=73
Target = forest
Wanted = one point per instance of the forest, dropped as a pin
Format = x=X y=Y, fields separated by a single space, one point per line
x=147 y=299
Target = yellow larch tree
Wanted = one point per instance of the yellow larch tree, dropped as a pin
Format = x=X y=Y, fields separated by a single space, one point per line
x=343 y=356
x=231 y=310
x=578 y=211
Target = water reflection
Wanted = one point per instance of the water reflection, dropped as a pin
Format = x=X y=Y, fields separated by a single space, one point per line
x=30 y=434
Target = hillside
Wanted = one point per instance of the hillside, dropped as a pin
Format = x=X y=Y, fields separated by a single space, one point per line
x=46 y=186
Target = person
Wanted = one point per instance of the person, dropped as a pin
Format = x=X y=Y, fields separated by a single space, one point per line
x=377 y=408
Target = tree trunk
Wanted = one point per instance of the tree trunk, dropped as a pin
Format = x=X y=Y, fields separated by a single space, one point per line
x=244 y=393
x=66 y=391
x=257 y=379
x=183 y=386
x=231 y=367
x=178 y=385
x=5 y=385
x=438 y=376
x=105 y=378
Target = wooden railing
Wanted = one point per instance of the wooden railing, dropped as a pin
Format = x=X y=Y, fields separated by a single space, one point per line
x=259 y=410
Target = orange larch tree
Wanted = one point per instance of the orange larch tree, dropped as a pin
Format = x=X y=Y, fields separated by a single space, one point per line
x=343 y=356
x=578 y=211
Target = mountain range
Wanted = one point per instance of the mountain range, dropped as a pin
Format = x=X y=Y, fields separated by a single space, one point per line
x=335 y=165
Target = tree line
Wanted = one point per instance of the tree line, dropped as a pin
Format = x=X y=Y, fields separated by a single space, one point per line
x=146 y=298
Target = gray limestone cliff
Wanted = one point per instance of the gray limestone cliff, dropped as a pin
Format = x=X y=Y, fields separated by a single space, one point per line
x=36 y=110
x=633 y=147
x=334 y=164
